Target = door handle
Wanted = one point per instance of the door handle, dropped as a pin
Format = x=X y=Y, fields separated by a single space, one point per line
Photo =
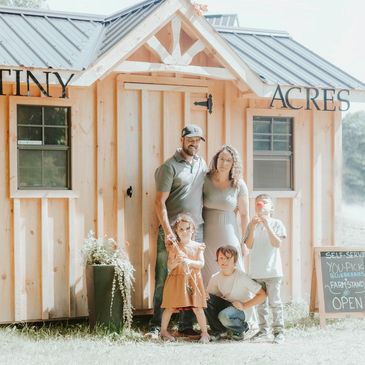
x=130 y=191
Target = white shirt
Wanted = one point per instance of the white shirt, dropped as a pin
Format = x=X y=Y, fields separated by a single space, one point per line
x=264 y=259
x=232 y=287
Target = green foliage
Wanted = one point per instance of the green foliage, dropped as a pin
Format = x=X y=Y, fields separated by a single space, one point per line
x=33 y=4
x=353 y=139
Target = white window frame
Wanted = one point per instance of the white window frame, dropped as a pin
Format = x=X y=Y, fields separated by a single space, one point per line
x=256 y=112
x=14 y=101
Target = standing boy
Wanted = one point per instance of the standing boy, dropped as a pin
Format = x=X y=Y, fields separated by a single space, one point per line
x=264 y=237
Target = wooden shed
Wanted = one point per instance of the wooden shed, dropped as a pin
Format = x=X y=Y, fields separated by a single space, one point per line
x=91 y=105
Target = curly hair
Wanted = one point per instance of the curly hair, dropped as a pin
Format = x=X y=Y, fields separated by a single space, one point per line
x=186 y=218
x=236 y=171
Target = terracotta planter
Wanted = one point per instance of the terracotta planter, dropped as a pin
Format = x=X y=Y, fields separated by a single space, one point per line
x=99 y=280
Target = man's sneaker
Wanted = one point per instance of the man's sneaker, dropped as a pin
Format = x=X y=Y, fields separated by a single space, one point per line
x=237 y=336
x=278 y=337
x=153 y=334
x=260 y=336
x=189 y=332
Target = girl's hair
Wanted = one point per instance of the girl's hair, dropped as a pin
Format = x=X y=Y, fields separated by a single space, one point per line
x=228 y=250
x=184 y=218
x=236 y=171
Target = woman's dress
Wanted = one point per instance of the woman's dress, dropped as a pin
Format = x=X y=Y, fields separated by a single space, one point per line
x=220 y=223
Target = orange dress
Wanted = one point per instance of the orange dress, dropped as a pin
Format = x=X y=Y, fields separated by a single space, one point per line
x=184 y=287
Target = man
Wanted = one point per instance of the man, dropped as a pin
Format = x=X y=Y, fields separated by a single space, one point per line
x=179 y=189
x=228 y=292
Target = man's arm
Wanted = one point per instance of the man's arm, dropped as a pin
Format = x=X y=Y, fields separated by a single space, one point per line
x=257 y=299
x=161 y=211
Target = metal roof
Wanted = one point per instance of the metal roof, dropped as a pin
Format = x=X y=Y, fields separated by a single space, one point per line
x=223 y=20
x=279 y=59
x=68 y=41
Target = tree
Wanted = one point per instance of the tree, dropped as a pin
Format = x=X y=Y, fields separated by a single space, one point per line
x=35 y=4
x=353 y=141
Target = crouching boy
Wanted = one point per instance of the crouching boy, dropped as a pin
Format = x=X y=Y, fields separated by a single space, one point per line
x=229 y=296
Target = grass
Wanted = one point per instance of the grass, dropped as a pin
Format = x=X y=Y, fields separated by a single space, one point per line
x=296 y=317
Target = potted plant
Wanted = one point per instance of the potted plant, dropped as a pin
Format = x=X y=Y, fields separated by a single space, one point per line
x=109 y=278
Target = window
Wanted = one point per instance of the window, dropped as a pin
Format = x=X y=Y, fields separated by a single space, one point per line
x=272 y=153
x=44 y=147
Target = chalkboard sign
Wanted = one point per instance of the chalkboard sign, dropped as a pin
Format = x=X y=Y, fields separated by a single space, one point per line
x=339 y=281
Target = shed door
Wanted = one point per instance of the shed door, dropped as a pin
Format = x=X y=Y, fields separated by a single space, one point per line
x=150 y=119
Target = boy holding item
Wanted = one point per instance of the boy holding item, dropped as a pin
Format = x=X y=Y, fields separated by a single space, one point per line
x=264 y=237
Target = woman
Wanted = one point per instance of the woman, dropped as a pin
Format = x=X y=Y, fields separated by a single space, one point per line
x=225 y=197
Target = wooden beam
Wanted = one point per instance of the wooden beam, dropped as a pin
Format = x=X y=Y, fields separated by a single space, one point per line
x=188 y=56
x=176 y=32
x=217 y=73
x=157 y=47
x=176 y=88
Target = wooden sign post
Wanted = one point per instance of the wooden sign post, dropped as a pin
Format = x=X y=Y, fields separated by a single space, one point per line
x=338 y=283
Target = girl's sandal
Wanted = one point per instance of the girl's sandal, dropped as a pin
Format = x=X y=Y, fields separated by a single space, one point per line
x=168 y=337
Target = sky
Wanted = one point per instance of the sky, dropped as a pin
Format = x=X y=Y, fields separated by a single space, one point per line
x=334 y=29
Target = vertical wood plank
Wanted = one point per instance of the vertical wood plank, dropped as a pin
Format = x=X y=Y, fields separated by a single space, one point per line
x=337 y=178
x=6 y=218
x=296 y=271
x=99 y=159
x=249 y=150
x=227 y=112
x=72 y=223
x=47 y=266
x=120 y=158
x=19 y=264
x=145 y=160
x=187 y=107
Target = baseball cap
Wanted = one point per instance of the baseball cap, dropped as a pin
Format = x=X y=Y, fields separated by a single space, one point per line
x=192 y=130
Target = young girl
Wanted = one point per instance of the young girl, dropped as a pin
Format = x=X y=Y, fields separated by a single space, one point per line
x=184 y=288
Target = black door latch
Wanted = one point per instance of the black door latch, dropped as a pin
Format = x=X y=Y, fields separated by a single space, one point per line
x=130 y=191
x=208 y=103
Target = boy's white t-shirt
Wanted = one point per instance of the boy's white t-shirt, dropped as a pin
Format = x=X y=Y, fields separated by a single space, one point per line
x=237 y=286
x=264 y=259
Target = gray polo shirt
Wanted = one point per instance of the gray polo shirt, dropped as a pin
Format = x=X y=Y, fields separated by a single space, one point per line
x=184 y=182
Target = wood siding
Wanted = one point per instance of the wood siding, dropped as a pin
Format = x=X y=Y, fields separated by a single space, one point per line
x=122 y=129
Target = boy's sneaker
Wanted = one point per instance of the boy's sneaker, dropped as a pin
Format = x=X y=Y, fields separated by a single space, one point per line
x=260 y=336
x=237 y=336
x=278 y=337
x=218 y=336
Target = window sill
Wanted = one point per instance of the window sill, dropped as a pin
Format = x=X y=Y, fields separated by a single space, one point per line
x=54 y=194
x=290 y=194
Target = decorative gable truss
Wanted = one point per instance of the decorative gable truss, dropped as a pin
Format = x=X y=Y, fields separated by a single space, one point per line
x=174 y=55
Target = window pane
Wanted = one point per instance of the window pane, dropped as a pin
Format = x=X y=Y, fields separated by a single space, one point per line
x=55 y=136
x=260 y=145
x=263 y=126
x=270 y=174
x=55 y=169
x=30 y=159
x=55 y=116
x=33 y=134
x=282 y=127
x=282 y=143
x=29 y=114
x=30 y=168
